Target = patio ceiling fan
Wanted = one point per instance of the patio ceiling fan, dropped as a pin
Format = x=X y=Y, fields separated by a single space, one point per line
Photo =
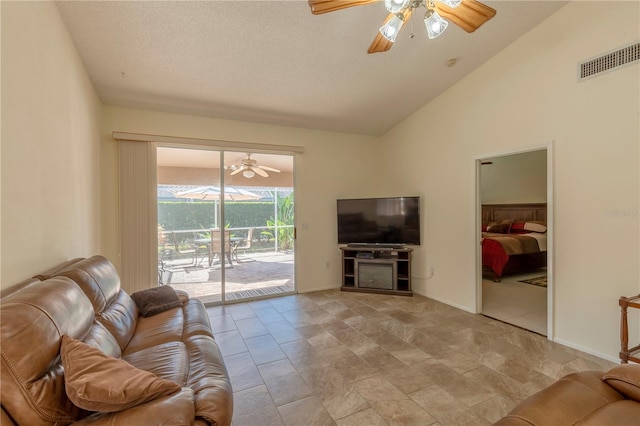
x=467 y=14
x=249 y=168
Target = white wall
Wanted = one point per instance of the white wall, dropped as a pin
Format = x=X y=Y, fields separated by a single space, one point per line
x=516 y=178
x=50 y=135
x=526 y=96
x=333 y=165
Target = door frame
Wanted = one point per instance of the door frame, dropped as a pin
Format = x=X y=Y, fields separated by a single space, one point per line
x=550 y=227
x=221 y=150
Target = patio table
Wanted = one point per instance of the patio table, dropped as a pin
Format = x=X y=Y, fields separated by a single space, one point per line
x=231 y=242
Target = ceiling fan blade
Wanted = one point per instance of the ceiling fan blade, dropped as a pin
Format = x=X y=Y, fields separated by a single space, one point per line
x=238 y=170
x=271 y=169
x=319 y=7
x=380 y=43
x=259 y=171
x=469 y=16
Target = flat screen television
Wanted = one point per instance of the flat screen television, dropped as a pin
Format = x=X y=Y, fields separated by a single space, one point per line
x=390 y=221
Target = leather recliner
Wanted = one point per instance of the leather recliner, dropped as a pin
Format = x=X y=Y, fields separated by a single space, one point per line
x=587 y=398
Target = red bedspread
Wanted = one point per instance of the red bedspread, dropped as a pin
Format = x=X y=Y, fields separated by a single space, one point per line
x=494 y=256
x=496 y=249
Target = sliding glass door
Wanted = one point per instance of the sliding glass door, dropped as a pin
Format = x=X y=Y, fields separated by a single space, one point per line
x=225 y=232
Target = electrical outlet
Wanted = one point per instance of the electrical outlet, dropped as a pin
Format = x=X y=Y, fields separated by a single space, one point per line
x=327 y=265
x=432 y=271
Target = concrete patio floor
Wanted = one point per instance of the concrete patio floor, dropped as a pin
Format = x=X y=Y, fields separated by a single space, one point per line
x=255 y=275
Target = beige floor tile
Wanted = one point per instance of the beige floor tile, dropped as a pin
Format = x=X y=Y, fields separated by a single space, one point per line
x=288 y=388
x=242 y=371
x=377 y=388
x=333 y=357
x=251 y=327
x=402 y=413
x=230 y=343
x=254 y=407
x=264 y=349
x=406 y=379
x=367 y=417
x=276 y=369
x=344 y=403
x=307 y=411
x=283 y=332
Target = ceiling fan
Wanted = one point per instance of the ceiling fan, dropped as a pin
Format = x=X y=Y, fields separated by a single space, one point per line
x=467 y=14
x=249 y=168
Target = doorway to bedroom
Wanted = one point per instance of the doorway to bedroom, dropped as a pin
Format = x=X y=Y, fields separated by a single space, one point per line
x=513 y=195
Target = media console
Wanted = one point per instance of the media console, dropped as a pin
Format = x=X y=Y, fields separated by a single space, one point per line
x=377 y=269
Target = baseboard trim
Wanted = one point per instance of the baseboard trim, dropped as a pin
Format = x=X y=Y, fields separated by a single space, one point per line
x=311 y=290
x=448 y=302
x=587 y=350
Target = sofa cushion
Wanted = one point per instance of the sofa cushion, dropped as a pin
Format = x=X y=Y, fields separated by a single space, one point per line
x=96 y=382
x=98 y=278
x=164 y=327
x=154 y=300
x=120 y=318
x=100 y=338
x=169 y=361
x=623 y=413
x=625 y=379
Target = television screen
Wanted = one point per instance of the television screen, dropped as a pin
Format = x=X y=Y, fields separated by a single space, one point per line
x=385 y=221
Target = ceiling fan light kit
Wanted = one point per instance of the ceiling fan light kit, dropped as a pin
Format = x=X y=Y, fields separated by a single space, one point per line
x=394 y=6
x=467 y=14
x=249 y=168
x=391 y=29
x=435 y=23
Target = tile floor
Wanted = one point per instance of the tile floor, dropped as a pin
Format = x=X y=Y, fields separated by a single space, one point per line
x=337 y=358
x=524 y=305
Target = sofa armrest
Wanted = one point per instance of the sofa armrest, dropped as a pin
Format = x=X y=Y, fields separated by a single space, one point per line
x=625 y=379
x=175 y=409
x=183 y=295
x=565 y=402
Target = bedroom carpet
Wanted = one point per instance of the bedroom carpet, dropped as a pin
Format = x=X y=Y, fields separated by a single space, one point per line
x=539 y=281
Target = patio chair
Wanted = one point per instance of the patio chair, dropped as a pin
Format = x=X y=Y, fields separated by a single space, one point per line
x=216 y=246
x=243 y=245
x=192 y=249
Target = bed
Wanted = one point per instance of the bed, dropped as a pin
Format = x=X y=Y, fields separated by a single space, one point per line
x=514 y=238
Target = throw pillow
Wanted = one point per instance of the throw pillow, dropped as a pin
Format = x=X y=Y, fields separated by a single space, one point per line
x=152 y=301
x=500 y=228
x=97 y=382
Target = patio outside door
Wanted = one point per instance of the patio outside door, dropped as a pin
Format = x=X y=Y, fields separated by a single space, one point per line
x=221 y=232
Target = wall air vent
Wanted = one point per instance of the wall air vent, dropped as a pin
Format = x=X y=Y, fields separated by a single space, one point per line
x=609 y=61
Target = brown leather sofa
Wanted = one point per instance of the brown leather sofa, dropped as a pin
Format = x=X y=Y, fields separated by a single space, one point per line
x=588 y=398
x=82 y=300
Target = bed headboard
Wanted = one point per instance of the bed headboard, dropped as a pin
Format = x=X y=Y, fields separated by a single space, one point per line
x=519 y=212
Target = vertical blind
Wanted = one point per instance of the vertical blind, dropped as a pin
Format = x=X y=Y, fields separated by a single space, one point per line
x=139 y=199
x=138 y=210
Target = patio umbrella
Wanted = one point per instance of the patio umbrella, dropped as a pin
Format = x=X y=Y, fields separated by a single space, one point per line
x=231 y=193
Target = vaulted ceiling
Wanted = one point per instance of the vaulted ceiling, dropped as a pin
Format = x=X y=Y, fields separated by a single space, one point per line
x=274 y=62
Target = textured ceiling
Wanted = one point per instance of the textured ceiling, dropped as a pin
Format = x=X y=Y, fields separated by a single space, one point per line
x=274 y=62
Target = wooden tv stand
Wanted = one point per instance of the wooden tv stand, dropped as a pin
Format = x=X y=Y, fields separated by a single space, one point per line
x=377 y=270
